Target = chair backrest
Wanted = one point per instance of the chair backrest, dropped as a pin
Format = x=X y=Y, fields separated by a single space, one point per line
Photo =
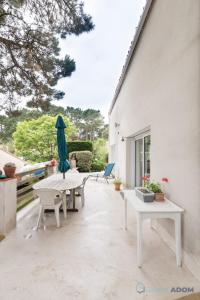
x=84 y=180
x=48 y=196
x=108 y=169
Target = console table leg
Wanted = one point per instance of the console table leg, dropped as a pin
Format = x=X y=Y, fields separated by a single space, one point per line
x=139 y=240
x=178 y=239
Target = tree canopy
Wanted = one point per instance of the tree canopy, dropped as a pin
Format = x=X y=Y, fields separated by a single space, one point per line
x=35 y=140
x=30 y=65
x=89 y=123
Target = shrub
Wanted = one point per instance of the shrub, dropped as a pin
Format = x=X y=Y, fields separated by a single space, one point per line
x=101 y=150
x=97 y=166
x=83 y=160
x=79 y=146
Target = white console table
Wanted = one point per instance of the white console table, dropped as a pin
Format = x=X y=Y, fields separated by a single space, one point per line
x=153 y=210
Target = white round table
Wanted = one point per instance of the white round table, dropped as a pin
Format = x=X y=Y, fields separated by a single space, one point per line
x=72 y=180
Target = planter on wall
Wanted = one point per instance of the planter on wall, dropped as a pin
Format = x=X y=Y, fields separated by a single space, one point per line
x=9 y=171
x=144 y=194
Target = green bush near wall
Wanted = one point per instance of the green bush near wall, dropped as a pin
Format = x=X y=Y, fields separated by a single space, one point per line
x=83 y=160
x=97 y=166
x=79 y=146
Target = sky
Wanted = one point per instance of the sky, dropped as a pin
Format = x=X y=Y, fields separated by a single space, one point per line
x=100 y=54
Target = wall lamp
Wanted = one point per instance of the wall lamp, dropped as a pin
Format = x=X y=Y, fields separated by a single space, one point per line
x=124 y=138
x=117 y=124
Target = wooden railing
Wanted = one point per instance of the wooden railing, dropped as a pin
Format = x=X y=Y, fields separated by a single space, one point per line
x=25 y=184
x=31 y=171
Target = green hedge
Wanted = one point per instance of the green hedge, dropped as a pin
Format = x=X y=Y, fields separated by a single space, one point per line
x=83 y=160
x=79 y=146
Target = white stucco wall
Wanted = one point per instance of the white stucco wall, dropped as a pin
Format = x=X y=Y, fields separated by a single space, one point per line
x=8 y=205
x=162 y=91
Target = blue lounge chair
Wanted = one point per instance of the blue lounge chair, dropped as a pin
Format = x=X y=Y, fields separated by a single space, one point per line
x=39 y=173
x=107 y=174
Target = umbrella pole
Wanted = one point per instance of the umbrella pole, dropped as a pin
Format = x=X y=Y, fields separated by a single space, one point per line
x=63 y=175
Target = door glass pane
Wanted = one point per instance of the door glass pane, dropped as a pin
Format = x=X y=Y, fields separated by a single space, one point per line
x=138 y=162
x=147 y=148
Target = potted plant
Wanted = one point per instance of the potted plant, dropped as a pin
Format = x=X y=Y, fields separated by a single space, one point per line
x=117 y=183
x=156 y=189
x=9 y=170
x=144 y=194
x=53 y=162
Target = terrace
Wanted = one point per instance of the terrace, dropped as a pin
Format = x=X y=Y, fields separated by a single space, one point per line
x=151 y=143
x=91 y=256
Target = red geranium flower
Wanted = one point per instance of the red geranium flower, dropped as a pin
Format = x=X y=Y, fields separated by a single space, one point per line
x=165 y=179
x=145 y=178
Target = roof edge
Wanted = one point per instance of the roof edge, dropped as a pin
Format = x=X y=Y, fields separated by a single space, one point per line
x=13 y=155
x=131 y=52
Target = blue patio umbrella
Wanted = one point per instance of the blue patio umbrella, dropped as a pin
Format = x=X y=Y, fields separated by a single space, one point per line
x=62 y=146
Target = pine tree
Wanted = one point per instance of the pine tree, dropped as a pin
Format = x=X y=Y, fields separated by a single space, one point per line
x=30 y=65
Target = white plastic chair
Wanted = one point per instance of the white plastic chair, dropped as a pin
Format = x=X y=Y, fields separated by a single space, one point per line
x=51 y=199
x=81 y=190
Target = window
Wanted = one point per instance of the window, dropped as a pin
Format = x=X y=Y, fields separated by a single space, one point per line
x=142 y=158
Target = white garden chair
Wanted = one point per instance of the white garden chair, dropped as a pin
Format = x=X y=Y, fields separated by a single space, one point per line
x=51 y=199
x=81 y=190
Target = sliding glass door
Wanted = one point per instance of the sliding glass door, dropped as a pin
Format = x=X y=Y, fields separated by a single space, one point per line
x=147 y=148
x=138 y=161
x=142 y=158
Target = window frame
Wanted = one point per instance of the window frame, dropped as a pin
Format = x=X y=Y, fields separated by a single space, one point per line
x=136 y=138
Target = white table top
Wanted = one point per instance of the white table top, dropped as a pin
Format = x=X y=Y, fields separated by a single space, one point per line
x=155 y=206
x=72 y=180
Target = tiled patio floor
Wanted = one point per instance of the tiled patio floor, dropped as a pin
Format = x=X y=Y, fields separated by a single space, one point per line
x=91 y=257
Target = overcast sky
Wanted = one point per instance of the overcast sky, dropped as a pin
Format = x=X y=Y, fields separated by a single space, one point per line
x=100 y=54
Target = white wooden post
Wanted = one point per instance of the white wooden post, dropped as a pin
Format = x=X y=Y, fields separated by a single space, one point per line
x=50 y=170
x=8 y=205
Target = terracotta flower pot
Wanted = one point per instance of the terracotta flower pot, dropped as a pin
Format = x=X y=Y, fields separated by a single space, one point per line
x=53 y=162
x=117 y=186
x=9 y=171
x=159 y=197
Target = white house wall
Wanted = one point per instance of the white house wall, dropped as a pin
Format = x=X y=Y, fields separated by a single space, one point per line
x=161 y=91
